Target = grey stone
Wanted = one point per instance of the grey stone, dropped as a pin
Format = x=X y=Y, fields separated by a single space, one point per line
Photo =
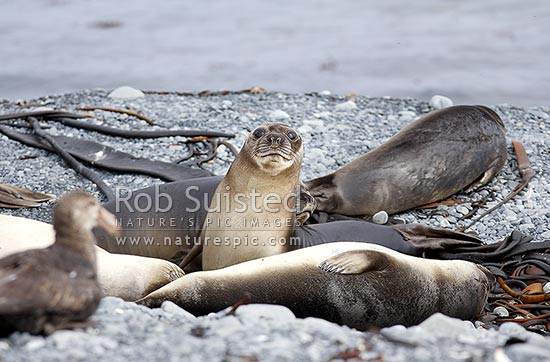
x=35 y=344
x=420 y=336
x=381 y=217
x=174 y=309
x=440 y=102
x=346 y=106
x=526 y=227
x=126 y=92
x=442 y=325
x=305 y=129
x=539 y=114
x=406 y=116
x=227 y=326
x=452 y=219
x=111 y=303
x=320 y=168
x=512 y=329
x=65 y=339
x=443 y=222
x=4 y=345
x=501 y=311
x=527 y=352
x=254 y=313
x=279 y=115
x=316 y=154
x=315 y=123
x=463 y=210
x=323 y=115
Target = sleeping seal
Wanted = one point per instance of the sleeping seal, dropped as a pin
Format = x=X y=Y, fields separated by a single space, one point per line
x=356 y=284
x=126 y=276
x=439 y=154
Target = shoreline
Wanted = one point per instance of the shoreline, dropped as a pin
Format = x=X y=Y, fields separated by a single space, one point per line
x=334 y=132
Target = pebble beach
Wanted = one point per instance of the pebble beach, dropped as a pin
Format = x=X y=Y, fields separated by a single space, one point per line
x=335 y=130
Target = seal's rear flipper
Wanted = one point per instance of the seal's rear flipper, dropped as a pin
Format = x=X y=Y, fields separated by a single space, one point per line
x=189 y=258
x=355 y=262
x=431 y=239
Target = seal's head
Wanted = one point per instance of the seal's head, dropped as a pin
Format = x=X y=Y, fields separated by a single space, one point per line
x=275 y=148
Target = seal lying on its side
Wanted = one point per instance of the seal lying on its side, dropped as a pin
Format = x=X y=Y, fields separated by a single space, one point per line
x=439 y=154
x=171 y=225
x=126 y=276
x=356 y=284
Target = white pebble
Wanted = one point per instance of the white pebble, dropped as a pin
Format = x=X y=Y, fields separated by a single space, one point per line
x=346 y=106
x=501 y=312
x=406 y=116
x=174 y=309
x=316 y=154
x=500 y=356
x=41 y=109
x=444 y=223
x=35 y=344
x=539 y=114
x=461 y=209
x=381 y=217
x=324 y=115
x=325 y=93
x=320 y=168
x=305 y=129
x=126 y=92
x=318 y=123
x=440 y=102
x=546 y=288
x=279 y=115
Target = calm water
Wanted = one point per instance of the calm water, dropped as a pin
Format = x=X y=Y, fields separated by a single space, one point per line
x=495 y=51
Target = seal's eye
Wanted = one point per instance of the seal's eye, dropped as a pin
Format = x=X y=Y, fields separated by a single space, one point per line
x=293 y=136
x=259 y=132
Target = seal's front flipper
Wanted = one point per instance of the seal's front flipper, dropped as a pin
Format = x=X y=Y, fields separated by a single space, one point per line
x=356 y=262
x=306 y=205
x=488 y=175
x=431 y=239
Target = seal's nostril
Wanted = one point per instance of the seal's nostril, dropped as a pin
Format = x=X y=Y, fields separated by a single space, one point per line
x=274 y=140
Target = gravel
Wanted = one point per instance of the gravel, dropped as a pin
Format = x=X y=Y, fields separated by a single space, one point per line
x=335 y=130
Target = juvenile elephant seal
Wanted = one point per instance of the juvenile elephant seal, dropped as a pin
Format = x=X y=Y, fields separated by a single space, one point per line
x=253 y=210
x=170 y=225
x=439 y=154
x=356 y=284
x=42 y=290
x=125 y=276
